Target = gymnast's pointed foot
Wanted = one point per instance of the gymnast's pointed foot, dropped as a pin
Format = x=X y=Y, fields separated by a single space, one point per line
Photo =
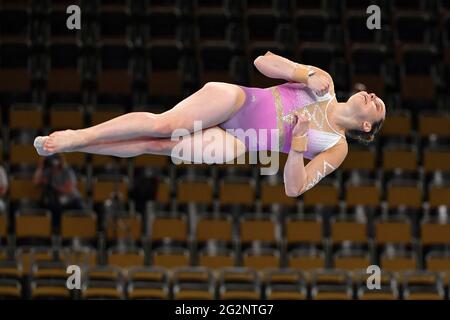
x=39 y=145
x=60 y=141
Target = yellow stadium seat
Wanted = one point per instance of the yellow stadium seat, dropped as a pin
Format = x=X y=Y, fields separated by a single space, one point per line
x=195 y=191
x=128 y=226
x=126 y=258
x=236 y=193
x=66 y=117
x=78 y=224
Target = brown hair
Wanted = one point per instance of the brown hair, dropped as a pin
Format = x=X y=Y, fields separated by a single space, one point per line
x=365 y=137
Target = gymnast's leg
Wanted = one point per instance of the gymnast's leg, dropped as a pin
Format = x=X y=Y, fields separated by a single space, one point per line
x=213 y=145
x=213 y=104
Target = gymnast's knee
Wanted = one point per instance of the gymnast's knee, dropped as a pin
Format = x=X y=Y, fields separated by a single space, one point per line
x=231 y=91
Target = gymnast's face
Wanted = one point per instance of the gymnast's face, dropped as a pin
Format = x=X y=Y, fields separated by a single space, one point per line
x=367 y=109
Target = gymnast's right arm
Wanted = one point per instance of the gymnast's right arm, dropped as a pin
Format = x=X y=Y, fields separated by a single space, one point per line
x=278 y=67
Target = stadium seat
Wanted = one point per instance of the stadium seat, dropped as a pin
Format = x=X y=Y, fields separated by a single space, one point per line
x=114 y=76
x=343 y=230
x=404 y=193
x=193 y=283
x=64 y=75
x=397 y=124
x=403 y=157
x=413 y=27
x=214 y=228
x=362 y=195
x=103 y=113
x=15 y=74
x=304 y=230
x=434 y=123
x=170 y=257
x=436 y=159
x=331 y=285
x=393 y=231
x=236 y=193
x=398 y=260
x=312 y=26
x=84 y=256
x=239 y=284
x=275 y=194
x=417 y=83
x=49 y=270
x=437 y=261
x=359 y=159
x=127 y=226
x=148 y=283
x=327 y=194
x=261 y=258
x=423 y=286
x=104 y=273
x=49 y=290
x=27 y=255
x=104 y=185
x=23 y=154
x=261 y=229
x=165 y=68
x=10 y=289
x=105 y=290
x=33 y=225
x=66 y=116
x=285 y=284
x=216 y=256
x=351 y=259
x=388 y=287
x=372 y=74
x=173 y=228
x=196 y=191
x=11 y=269
x=435 y=233
x=306 y=259
x=126 y=258
x=26 y=116
x=81 y=225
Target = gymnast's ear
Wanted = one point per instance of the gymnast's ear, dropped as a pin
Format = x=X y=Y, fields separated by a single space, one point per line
x=268 y=53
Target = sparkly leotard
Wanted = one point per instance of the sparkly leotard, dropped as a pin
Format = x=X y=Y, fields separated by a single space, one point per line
x=268 y=115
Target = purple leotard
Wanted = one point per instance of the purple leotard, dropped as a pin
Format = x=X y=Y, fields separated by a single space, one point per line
x=265 y=111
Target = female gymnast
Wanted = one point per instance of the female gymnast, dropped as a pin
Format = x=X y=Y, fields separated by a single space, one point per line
x=309 y=121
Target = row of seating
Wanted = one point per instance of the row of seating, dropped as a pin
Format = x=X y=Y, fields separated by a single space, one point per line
x=49 y=282
x=294 y=229
x=244 y=192
x=212 y=23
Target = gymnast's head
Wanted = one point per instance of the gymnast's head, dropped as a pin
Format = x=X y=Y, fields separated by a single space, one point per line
x=369 y=112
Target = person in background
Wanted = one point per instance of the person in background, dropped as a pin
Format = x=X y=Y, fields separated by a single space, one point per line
x=3 y=187
x=59 y=185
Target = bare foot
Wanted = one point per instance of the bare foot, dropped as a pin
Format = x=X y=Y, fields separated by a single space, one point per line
x=64 y=141
x=39 y=145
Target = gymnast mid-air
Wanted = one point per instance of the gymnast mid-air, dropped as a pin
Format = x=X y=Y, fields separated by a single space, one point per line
x=303 y=112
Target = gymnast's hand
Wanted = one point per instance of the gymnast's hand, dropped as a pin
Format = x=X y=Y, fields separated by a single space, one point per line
x=301 y=126
x=320 y=84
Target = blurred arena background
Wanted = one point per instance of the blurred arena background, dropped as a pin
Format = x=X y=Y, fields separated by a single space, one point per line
x=145 y=228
